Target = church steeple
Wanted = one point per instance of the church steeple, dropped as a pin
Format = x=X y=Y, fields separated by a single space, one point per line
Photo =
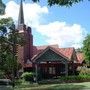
x=25 y=52
x=21 y=15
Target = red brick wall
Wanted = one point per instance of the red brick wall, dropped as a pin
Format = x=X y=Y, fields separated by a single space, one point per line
x=25 y=52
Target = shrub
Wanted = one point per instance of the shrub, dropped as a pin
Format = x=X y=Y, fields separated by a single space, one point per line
x=66 y=79
x=18 y=81
x=28 y=76
x=84 y=71
x=79 y=78
x=2 y=75
x=85 y=77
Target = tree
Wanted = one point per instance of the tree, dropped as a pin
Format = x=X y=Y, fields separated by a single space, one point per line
x=78 y=50
x=63 y=2
x=66 y=3
x=57 y=2
x=9 y=39
x=2 y=8
x=86 y=48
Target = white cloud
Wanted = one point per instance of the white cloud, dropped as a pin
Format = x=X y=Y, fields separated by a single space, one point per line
x=63 y=34
x=55 y=32
x=11 y=10
x=32 y=12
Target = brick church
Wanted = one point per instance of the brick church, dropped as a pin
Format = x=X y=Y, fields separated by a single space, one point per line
x=50 y=60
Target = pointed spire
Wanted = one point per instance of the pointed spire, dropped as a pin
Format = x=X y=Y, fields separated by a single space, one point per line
x=21 y=15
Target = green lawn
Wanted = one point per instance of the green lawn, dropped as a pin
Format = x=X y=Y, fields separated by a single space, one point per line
x=67 y=86
x=3 y=87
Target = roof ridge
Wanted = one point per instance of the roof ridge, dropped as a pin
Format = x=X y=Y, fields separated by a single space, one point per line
x=47 y=45
x=67 y=48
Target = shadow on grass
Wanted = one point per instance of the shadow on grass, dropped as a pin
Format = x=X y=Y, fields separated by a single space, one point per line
x=67 y=87
x=60 y=87
x=54 y=87
x=5 y=88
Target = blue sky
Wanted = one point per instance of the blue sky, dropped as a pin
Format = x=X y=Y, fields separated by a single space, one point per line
x=66 y=27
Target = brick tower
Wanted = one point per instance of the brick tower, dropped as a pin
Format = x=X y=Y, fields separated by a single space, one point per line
x=24 y=52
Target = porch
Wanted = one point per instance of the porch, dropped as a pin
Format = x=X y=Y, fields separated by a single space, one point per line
x=52 y=69
x=50 y=63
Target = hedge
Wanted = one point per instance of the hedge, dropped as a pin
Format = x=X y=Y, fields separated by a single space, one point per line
x=28 y=76
x=67 y=79
x=79 y=78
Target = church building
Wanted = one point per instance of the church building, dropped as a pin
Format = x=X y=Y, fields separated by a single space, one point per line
x=50 y=60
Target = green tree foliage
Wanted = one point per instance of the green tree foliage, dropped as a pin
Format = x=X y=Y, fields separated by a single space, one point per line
x=28 y=76
x=63 y=2
x=2 y=8
x=79 y=50
x=86 y=48
x=66 y=3
x=9 y=39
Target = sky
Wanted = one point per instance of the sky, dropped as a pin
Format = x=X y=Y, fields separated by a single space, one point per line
x=66 y=27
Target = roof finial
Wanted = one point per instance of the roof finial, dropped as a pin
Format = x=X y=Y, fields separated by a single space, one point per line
x=21 y=15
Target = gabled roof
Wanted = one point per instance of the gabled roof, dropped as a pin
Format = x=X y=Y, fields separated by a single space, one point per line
x=46 y=49
x=38 y=49
x=67 y=52
x=45 y=46
x=80 y=57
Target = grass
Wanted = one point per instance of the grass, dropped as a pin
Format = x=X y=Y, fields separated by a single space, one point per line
x=67 y=86
x=3 y=87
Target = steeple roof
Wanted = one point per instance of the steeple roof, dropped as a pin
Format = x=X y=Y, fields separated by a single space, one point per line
x=21 y=15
